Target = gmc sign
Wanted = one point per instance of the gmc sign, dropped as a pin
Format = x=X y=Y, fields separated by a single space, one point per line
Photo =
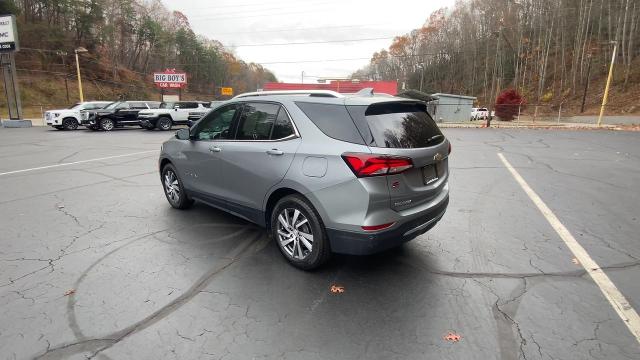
x=8 y=34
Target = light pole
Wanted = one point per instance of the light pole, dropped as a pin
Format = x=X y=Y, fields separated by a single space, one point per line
x=421 y=66
x=606 y=88
x=302 y=78
x=79 y=50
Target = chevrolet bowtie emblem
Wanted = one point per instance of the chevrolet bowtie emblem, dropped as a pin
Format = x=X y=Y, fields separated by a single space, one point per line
x=438 y=157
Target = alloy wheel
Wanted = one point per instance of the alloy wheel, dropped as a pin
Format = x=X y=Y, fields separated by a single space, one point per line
x=107 y=124
x=171 y=186
x=294 y=233
x=165 y=124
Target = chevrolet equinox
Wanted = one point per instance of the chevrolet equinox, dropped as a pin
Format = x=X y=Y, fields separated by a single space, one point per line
x=324 y=172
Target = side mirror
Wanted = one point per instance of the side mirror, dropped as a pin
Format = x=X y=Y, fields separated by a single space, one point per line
x=176 y=107
x=183 y=134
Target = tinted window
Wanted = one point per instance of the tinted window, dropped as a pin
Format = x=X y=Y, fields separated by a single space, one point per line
x=333 y=120
x=256 y=121
x=153 y=104
x=216 y=124
x=188 y=105
x=282 y=127
x=138 y=105
x=122 y=106
x=402 y=125
x=166 y=105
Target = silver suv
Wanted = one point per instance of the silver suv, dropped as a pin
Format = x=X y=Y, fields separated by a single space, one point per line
x=323 y=171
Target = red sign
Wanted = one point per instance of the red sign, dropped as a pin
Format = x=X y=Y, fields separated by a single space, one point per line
x=170 y=79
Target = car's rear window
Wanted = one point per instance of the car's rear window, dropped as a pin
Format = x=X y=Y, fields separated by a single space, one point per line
x=333 y=120
x=399 y=125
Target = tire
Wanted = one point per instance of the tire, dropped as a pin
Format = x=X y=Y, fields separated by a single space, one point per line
x=173 y=188
x=69 y=124
x=292 y=244
x=107 y=124
x=164 y=123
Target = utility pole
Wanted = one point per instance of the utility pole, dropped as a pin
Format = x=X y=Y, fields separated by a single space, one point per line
x=605 y=97
x=586 y=84
x=421 y=75
x=77 y=51
x=66 y=73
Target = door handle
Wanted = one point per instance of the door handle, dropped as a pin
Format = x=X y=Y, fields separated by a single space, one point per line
x=215 y=149
x=275 y=152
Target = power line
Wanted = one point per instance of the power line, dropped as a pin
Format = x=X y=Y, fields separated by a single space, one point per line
x=310 y=42
x=300 y=29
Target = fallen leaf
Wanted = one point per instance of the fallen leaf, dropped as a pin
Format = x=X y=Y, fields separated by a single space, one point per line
x=336 y=289
x=575 y=261
x=70 y=292
x=452 y=337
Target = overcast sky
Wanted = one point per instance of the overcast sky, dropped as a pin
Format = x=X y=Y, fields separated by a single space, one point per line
x=240 y=24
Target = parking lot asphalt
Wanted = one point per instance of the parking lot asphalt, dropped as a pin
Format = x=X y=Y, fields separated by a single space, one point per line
x=94 y=263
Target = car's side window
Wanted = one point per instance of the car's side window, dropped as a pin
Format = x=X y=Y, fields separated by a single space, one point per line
x=216 y=125
x=283 y=127
x=138 y=105
x=188 y=105
x=122 y=106
x=256 y=121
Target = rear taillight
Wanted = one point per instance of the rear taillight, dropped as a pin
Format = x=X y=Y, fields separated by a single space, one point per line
x=376 y=227
x=364 y=165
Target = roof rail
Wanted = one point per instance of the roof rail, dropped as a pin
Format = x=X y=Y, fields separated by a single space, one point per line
x=317 y=93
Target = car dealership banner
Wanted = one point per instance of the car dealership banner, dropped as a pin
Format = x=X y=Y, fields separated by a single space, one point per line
x=8 y=34
x=170 y=79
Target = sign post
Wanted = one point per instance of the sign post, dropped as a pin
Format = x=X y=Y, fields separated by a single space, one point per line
x=8 y=46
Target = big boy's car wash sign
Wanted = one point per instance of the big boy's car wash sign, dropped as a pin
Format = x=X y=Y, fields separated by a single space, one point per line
x=8 y=34
x=170 y=79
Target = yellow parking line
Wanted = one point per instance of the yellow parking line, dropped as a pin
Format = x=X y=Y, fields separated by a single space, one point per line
x=619 y=303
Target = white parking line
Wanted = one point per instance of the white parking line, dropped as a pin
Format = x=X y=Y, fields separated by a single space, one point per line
x=619 y=303
x=75 y=162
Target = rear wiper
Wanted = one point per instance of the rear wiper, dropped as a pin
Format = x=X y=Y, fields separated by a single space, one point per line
x=434 y=137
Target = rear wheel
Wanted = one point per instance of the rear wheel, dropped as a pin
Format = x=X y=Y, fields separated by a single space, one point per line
x=299 y=233
x=173 y=188
x=164 y=123
x=107 y=124
x=69 y=124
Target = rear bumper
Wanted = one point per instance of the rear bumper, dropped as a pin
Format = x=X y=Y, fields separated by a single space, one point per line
x=357 y=243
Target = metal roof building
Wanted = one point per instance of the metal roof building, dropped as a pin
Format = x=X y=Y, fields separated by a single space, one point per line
x=451 y=107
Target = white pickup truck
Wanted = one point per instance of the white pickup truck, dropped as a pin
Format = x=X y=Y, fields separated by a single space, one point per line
x=479 y=114
x=69 y=119
x=170 y=114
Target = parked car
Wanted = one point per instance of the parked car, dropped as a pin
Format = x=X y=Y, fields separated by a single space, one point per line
x=169 y=114
x=479 y=114
x=323 y=172
x=197 y=114
x=117 y=114
x=69 y=119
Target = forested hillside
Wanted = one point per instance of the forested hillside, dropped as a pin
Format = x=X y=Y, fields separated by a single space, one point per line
x=127 y=41
x=546 y=49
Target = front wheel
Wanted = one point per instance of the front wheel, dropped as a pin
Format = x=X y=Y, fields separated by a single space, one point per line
x=107 y=124
x=299 y=233
x=173 y=188
x=164 y=123
x=69 y=124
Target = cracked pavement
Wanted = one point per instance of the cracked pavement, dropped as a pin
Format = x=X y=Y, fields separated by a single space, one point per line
x=152 y=282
